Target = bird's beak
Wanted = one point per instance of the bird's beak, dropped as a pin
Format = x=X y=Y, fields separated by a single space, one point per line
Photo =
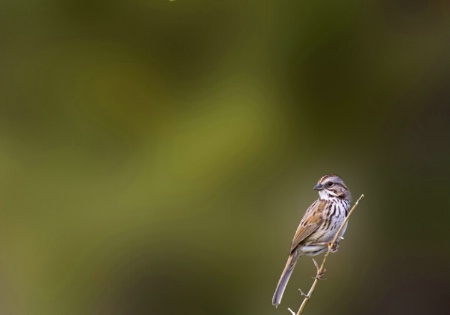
x=318 y=187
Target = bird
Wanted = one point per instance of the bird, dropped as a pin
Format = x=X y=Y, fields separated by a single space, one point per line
x=318 y=226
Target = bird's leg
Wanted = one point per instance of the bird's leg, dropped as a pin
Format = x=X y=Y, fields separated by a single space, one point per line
x=333 y=248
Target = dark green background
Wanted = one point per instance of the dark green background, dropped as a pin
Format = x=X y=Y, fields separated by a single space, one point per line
x=157 y=156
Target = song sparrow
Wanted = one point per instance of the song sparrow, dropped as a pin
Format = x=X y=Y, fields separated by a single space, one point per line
x=318 y=226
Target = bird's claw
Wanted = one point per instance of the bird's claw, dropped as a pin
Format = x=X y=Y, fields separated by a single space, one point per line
x=333 y=248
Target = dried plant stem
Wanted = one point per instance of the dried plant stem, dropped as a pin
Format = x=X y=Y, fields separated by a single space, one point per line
x=321 y=268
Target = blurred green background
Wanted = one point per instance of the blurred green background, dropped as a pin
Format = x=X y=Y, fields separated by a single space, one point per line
x=157 y=156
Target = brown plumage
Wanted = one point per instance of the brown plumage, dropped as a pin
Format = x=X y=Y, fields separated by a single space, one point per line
x=317 y=227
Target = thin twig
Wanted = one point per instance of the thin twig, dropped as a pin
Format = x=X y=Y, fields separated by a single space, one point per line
x=321 y=269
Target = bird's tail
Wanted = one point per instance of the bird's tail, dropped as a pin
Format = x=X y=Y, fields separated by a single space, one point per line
x=290 y=264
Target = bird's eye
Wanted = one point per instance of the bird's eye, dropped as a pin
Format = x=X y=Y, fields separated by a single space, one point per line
x=329 y=184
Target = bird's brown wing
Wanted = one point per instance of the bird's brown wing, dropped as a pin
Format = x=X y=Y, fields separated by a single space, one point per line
x=311 y=221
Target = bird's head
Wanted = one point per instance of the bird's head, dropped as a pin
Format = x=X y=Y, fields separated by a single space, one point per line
x=332 y=186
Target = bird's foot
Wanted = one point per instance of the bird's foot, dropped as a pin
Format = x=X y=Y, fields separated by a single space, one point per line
x=333 y=248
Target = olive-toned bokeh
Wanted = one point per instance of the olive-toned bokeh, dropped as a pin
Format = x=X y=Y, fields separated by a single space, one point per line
x=156 y=156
